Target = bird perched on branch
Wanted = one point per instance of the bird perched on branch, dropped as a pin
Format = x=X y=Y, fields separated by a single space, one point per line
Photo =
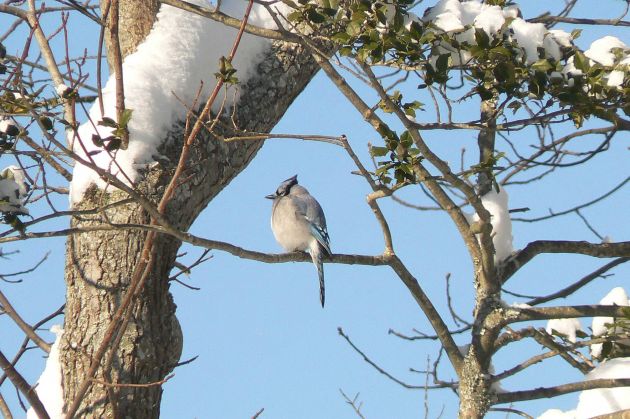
x=298 y=224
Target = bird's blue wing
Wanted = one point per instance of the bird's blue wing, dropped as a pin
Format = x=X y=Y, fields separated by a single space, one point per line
x=321 y=235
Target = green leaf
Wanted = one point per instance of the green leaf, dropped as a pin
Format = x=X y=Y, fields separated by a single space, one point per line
x=46 y=122
x=107 y=122
x=501 y=50
x=294 y=16
x=314 y=16
x=125 y=117
x=114 y=143
x=504 y=72
x=345 y=51
x=515 y=105
x=405 y=139
x=542 y=65
x=96 y=140
x=578 y=119
x=581 y=334
x=378 y=151
x=580 y=61
x=442 y=62
x=341 y=38
x=482 y=38
x=354 y=28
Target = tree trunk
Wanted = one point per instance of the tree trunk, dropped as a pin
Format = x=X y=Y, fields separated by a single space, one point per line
x=474 y=391
x=474 y=388
x=99 y=264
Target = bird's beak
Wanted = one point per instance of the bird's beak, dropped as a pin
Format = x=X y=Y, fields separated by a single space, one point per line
x=272 y=196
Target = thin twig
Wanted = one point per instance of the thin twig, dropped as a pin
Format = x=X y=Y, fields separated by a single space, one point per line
x=378 y=368
x=25 y=388
x=26 y=328
x=128 y=385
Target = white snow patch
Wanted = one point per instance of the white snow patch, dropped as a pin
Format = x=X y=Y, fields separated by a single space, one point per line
x=13 y=190
x=533 y=40
x=49 y=388
x=443 y=6
x=600 y=50
x=529 y=37
x=448 y=22
x=5 y=125
x=602 y=401
x=599 y=401
x=618 y=297
x=563 y=38
x=490 y=19
x=62 y=90
x=409 y=18
x=497 y=205
x=181 y=51
x=512 y=11
x=557 y=414
x=452 y=16
x=567 y=327
x=520 y=305
x=615 y=78
x=389 y=10
x=570 y=71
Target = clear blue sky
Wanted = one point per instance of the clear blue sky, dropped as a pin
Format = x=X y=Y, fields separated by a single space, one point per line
x=263 y=340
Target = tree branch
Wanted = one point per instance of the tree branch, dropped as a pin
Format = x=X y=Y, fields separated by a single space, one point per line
x=565 y=292
x=566 y=312
x=578 y=21
x=232 y=22
x=579 y=207
x=26 y=328
x=24 y=387
x=535 y=248
x=547 y=392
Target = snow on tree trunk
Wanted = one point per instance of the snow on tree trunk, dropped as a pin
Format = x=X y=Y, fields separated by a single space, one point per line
x=99 y=265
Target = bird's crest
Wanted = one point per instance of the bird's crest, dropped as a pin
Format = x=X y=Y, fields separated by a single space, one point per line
x=285 y=186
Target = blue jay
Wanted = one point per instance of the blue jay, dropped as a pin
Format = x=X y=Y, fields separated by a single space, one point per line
x=298 y=224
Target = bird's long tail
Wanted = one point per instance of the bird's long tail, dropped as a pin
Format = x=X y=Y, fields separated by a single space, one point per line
x=317 y=256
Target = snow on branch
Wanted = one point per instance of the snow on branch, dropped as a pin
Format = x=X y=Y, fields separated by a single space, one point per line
x=161 y=80
x=607 y=325
x=606 y=390
x=496 y=203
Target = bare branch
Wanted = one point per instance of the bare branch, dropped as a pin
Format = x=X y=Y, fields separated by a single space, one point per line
x=381 y=370
x=26 y=328
x=354 y=403
x=25 y=388
x=547 y=392
x=24 y=347
x=230 y=21
x=578 y=21
x=4 y=408
x=535 y=248
x=566 y=312
x=579 y=207
x=565 y=292
x=257 y=414
x=131 y=385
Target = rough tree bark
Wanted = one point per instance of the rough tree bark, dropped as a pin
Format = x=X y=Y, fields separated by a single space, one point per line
x=99 y=265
